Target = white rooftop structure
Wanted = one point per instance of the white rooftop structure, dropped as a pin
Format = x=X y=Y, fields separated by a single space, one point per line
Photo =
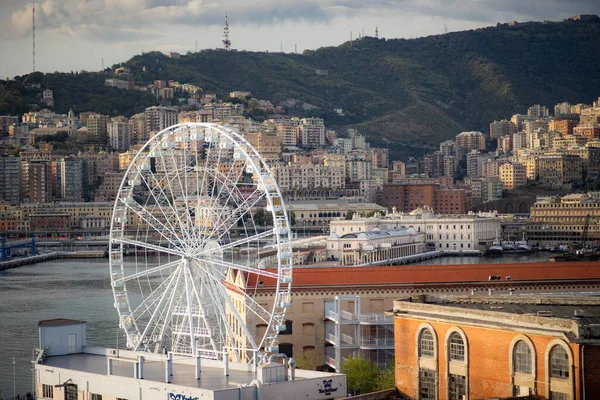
x=65 y=365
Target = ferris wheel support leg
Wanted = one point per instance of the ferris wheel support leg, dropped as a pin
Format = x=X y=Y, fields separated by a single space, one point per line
x=198 y=358
x=188 y=295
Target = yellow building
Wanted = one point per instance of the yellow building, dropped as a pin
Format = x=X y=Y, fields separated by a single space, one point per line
x=556 y=169
x=512 y=175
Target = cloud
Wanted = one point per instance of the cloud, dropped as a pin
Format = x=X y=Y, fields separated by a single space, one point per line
x=132 y=20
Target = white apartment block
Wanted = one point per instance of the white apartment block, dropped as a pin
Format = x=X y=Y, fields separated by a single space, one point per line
x=309 y=176
x=120 y=135
x=311 y=132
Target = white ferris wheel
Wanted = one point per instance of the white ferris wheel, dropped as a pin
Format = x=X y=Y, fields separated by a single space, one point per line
x=190 y=252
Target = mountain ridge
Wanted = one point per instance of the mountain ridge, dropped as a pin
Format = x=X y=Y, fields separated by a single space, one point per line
x=407 y=94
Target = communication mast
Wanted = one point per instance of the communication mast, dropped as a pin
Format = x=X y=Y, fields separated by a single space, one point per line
x=377 y=32
x=226 y=41
x=33 y=23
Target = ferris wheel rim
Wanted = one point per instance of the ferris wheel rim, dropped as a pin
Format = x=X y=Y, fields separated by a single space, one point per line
x=281 y=288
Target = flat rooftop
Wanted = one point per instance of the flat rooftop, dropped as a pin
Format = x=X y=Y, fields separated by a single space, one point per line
x=587 y=308
x=576 y=316
x=211 y=378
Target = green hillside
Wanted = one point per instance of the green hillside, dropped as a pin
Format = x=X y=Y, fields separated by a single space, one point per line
x=405 y=94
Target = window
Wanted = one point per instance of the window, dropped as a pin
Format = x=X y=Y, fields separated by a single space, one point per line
x=457 y=347
x=287 y=349
x=48 y=391
x=559 y=362
x=559 y=396
x=376 y=304
x=457 y=387
x=309 y=352
x=71 y=392
x=308 y=329
x=288 y=328
x=426 y=344
x=522 y=357
x=426 y=384
x=95 y=396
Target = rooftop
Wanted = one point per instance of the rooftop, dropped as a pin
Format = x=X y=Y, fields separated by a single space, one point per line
x=577 y=317
x=441 y=274
x=212 y=378
x=60 y=322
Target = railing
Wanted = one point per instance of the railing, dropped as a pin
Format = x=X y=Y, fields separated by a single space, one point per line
x=377 y=318
x=330 y=337
x=331 y=315
x=377 y=342
x=348 y=340
x=347 y=315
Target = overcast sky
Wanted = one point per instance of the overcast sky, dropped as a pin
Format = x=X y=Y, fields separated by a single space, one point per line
x=74 y=35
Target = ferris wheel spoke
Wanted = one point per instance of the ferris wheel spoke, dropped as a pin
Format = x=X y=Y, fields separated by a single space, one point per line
x=244 y=268
x=160 y=229
x=148 y=301
x=184 y=192
x=149 y=271
x=148 y=246
x=226 y=180
x=168 y=312
x=255 y=308
x=156 y=200
x=158 y=307
x=174 y=208
x=248 y=207
x=240 y=242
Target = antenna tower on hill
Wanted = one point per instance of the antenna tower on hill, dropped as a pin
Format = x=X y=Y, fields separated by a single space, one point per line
x=33 y=30
x=377 y=32
x=226 y=41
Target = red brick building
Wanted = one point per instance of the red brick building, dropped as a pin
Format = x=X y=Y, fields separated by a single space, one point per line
x=497 y=347
x=410 y=196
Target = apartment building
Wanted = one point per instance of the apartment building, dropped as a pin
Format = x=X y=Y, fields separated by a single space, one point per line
x=512 y=175
x=120 y=134
x=97 y=128
x=409 y=196
x=470 y=141
x=556 y=169
x=10 y=179
x=556 y=220
x=311 y=132
x=501 y=128
x=309 y=176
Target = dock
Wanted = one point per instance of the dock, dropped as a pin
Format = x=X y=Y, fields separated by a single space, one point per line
x=55 y=255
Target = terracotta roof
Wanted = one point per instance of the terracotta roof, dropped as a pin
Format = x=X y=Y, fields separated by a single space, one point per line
x=59 y=322
x=440 y=273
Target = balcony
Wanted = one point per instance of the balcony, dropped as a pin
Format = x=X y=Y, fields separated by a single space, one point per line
x=376 y=319
x=341 y=317
x=374 y=343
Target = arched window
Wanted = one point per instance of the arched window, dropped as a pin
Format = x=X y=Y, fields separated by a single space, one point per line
x=559 y=362
x=457 y=347
x=522 y=358
x=426 y=344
